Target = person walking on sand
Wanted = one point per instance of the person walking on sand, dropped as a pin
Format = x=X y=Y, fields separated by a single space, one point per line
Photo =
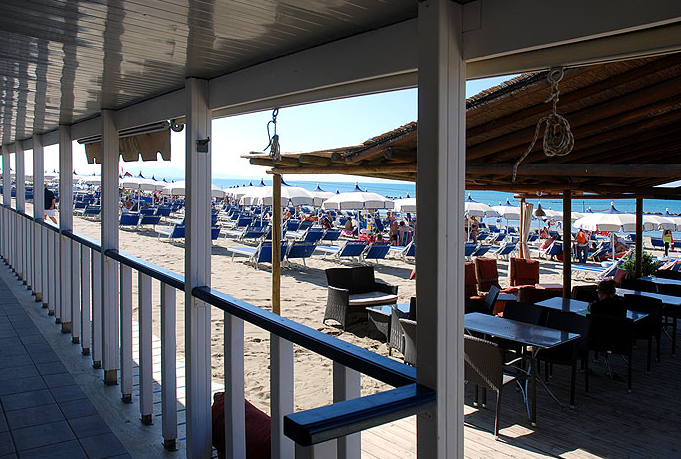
x=582 y=246
x=668 y=241
x=50 y=204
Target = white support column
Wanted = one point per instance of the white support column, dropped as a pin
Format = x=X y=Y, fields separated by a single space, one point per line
x=235 y=416
x=145 y=360
x=65 y=222
x=346 y=386
x=53 y=274
x=168 y=366
x=197 y=269
x=38 y=214
x=109 y=281
x=21 y=207
x=96 y=309
x=44 y=233
x=86 y=328
x=126 y=333
x=76 y=332
x=281 y=394
x=6 y=201
x=440 y=194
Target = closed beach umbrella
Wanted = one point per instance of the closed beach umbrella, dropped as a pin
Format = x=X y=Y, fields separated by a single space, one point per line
x=357 y=200
x=478 y=209
x=405 y=205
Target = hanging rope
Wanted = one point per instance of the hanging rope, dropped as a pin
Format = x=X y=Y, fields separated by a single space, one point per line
x=275 y=152
x=558 y=139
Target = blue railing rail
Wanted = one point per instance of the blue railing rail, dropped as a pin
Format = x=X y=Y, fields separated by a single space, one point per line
x=315 y=425
x=329 y=422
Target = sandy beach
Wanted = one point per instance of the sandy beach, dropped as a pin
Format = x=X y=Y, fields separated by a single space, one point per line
x=303 y=299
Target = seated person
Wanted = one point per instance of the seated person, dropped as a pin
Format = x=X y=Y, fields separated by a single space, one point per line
x=608 y=303
x=545 y=245
x=620 y=247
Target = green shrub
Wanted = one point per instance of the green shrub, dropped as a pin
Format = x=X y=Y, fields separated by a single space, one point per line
x=648 y=265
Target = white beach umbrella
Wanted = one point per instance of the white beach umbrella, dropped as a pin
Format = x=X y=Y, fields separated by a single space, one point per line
x=478 y=209
x=354 y=200
x=660 y=222
x=138 y=183
x=92 y=180
x=508 y=211
x=675 y=218
x=294 y=195
x=251 y=196
x=405 y=205
x=178 y=189
x=610 y=220
x=320 y=195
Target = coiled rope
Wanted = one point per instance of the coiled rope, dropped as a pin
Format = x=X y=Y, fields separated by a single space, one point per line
x=275 y=151
x=558 y=139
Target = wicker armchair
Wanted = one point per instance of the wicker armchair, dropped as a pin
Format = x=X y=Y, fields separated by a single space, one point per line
x=409 y=329
x=351 y=290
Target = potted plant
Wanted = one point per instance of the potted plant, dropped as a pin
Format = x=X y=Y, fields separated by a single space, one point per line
x=648 y=265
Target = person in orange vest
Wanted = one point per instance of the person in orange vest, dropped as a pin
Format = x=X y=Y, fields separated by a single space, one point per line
x=582 y=246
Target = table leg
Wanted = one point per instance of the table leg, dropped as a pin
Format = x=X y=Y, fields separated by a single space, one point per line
x=533 y=387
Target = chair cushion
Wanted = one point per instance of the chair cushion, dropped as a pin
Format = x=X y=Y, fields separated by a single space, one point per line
x=371 y=298
x=258 y=433
x=524 y=272
x=488 y=275
x=363 y=280
x=471 y=280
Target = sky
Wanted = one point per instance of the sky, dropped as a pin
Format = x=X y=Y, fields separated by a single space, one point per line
x=309 y=127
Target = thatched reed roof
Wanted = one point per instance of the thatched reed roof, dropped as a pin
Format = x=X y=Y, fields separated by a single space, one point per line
x=625 y=117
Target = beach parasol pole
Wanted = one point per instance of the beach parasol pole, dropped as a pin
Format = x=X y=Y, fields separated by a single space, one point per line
x=276 y=244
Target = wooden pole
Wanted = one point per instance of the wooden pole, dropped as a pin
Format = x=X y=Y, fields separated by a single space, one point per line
x=567 y=243
x=276 y=244
x=639 y=237
x=523 y=234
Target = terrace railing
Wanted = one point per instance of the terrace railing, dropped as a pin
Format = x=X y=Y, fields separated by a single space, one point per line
x=39 y=254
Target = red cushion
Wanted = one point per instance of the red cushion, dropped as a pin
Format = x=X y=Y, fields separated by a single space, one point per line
x=488 y=275
x=524 y=272
x=258 y=434
x=471 y=280
x=619 y=276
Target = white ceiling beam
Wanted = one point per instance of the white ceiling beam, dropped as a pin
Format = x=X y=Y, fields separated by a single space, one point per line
x=380 y=60
x=497 y=28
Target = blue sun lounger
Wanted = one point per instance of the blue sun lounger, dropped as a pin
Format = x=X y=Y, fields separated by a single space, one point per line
x=300 y=250
x=92 y=211
x=504 y=250
x=260 y=254
x=351 y=249
x=376 y=251
x=481 y=250
x=469 y=248
x=176 y=232
x=129 y=220
x=404 y=251
x=152 y=220
x=331 y=235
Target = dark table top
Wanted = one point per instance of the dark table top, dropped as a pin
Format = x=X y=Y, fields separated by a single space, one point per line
x=666 y=299
x=386 y=309
x=520 y=332
x=661 y=280
x=580 y=307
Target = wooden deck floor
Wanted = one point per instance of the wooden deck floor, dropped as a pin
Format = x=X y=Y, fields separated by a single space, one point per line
x=606 y=423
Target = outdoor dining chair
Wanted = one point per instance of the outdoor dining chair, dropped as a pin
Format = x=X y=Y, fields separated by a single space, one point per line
x=650 y=326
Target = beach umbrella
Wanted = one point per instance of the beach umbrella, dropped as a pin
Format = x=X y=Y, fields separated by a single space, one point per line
x=675 y=218
x=320 y=195
x=508 y=211
x=178 y=189
x=294 y=195
x=92 y=180
x=405 y=205
x=357 y=200
x=249 y=195
x=138 y=183
x=660 y=222
x=478 y=209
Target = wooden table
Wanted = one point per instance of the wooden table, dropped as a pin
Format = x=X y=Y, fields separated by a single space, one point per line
x=660 y=280
x=670 y=301
x=549 y=286
x=536 y=336
x=581 y=307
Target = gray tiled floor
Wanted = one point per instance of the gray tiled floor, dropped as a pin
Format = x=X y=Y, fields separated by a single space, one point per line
x=44 y=412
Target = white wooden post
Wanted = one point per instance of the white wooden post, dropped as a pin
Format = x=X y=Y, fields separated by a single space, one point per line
x=55 y=277
x=346 y=386
x=75 y=293
x=44 y=236
x=21 y=207
x=110 y=205
x=235 y=416
x=281 y=394
x=6 y=201
x=146 y=368
x=96 y=309
x=38 y=214
x=65 y=223
x=168 y=368
x=324 y=450
x=86 y=328
x=440 y=194
x=197 y=269
x=126 y=333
